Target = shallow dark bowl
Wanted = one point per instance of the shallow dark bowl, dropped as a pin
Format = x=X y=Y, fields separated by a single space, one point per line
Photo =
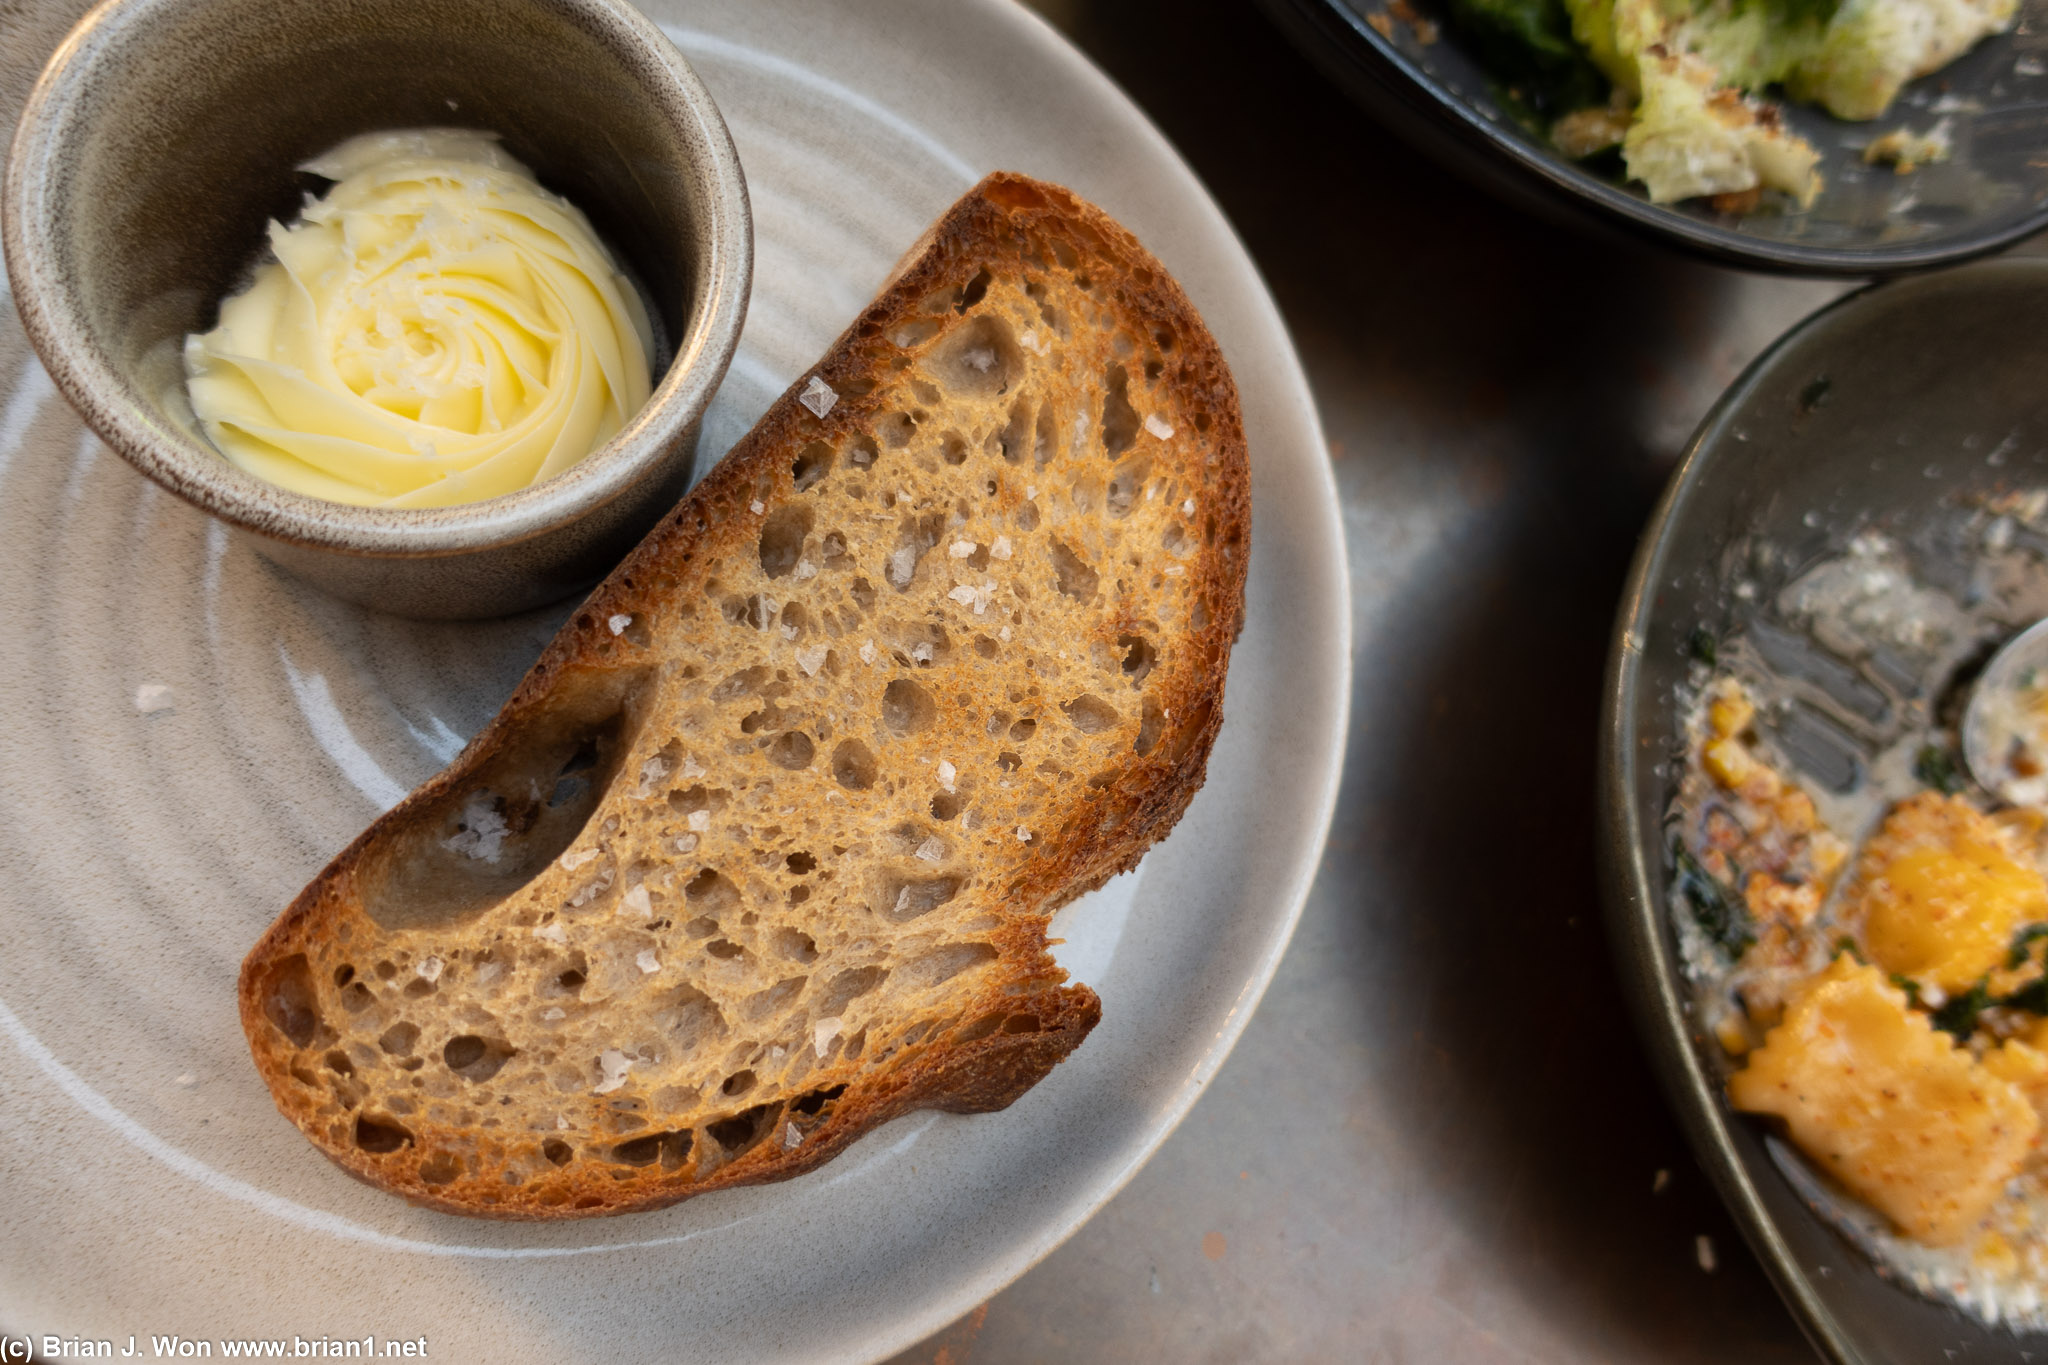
x=1868 y=221
x=165 y=134
x=1883 y=410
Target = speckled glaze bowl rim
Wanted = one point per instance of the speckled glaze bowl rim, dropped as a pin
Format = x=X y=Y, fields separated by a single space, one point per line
x=1633 y=891
x=199 y=474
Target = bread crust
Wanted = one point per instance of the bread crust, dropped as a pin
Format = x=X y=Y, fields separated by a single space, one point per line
x=1106 y=832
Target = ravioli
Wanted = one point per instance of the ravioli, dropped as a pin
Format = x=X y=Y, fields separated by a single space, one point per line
x=1893 y=1109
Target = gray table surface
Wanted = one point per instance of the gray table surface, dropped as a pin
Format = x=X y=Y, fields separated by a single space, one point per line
x=1438 y=1140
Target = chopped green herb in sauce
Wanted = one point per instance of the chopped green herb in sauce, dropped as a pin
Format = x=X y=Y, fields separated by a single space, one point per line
x=1720 y=914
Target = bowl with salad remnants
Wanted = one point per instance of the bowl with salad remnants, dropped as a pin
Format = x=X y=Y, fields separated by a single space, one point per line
x=1823 y=137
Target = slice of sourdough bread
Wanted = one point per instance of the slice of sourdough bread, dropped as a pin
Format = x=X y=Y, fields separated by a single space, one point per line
x=761 y=853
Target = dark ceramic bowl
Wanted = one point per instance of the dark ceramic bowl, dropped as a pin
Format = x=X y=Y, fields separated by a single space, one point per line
x=1886 y=410
x=1868 y=220
x=163 y=137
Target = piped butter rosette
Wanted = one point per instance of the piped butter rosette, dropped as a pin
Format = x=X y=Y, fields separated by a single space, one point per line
x=436 y=329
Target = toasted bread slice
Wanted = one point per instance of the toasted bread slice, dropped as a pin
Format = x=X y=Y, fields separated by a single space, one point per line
x=761 y=853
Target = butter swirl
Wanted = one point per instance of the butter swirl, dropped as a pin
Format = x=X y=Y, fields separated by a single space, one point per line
x=436 y=329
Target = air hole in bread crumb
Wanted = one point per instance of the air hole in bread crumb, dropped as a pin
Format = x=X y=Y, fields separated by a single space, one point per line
x=739 y=1083
x=791 y=750
x=1124 y=488
x=814 y=1102
x=782 y=538
x=765 y=1004
x=845 y=988
x=980 y=1028
x=795 y=946
x=1139 y=657
x=1076 y=579
x=953 y=448
x=671 y=1149
x=1119 y=418
x=803 y=864
x=1021 y=1023
x=398 y=1040
x=812 y=464
x=343 y=975
x=1090 y=714
x=1150 y=723
x=712 y=893
x=914 y=539
x=741 y=683
x=337 y=1061
x=862 y=452
x=915 y=332
x=380 y=1136
x=476 y=1059
x=357 y=997
x=976 y=360
x=975 y=291
x=853 y=765
x=942 y=964
x=288 y=1001
x=737 y=1133
x=442 y=1168
x=1023 y=730
x=895 y=429
x=946 y=805
x=724 y=949
x=906 y=707
x=690 y=1019
x=557 y=1151
x=908 y=898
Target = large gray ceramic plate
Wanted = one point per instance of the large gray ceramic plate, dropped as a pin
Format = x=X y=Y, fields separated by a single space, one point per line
x=1886 y=410
x=147 y=1186
x=1867 y=221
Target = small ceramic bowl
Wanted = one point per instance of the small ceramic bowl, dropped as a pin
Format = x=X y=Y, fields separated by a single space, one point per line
x=164 y=136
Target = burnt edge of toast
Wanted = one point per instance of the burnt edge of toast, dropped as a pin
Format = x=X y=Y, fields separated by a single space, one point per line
x=1003 y=212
